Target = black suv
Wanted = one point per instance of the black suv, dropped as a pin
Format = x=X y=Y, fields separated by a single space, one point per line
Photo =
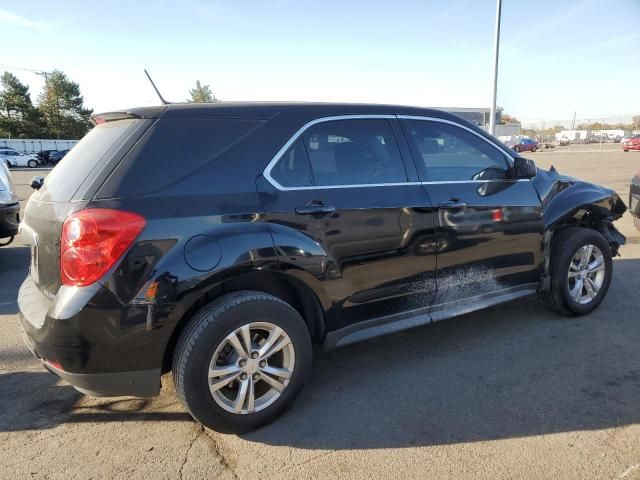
x=221 y=241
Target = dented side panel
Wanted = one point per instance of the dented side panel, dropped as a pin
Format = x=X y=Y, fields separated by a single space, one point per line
x=492 y=244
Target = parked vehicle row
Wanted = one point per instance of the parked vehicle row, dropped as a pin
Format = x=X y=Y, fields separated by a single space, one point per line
x=17 y=159
x=14 y=159
x=219 y=241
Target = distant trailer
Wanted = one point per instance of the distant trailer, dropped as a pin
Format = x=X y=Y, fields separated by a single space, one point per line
x=36 y=145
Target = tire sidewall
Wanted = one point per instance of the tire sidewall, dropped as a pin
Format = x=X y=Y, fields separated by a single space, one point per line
x=201 y=403
x=585 y=237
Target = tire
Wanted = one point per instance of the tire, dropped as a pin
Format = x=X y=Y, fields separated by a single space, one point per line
x=32 y=163
x=565 y=246
x=636 y=222
x=533 y=150
x=516 y=149
x=206 y=338
x=625 y=150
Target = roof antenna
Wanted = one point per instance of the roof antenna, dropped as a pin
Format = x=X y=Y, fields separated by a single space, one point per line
x=162 y=100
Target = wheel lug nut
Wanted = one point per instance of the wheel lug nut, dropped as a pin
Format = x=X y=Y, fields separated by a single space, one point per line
x=256 y=376
x=254 y=354
x=263 y=364
x=243 y=376
x=242 y=362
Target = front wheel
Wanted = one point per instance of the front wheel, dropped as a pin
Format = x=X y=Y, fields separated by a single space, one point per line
x=241 y=361
x=32 y=163
x=581 y=269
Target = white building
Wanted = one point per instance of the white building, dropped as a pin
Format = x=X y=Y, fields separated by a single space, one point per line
x=572 y=135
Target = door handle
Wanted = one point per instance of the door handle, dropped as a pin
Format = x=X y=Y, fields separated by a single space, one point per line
x=315 y=207
x=452 y=205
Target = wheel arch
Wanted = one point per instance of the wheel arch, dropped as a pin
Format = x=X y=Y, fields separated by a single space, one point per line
x=285 y=287
x=590 y=216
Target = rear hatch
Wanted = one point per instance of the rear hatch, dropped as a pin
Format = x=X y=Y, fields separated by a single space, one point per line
x=68 y=188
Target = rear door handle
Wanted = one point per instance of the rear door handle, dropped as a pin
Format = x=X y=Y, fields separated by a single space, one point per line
x=452 y=205
x=315 y=207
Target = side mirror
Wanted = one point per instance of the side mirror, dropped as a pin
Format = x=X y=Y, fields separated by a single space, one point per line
x=524 y=168
x=37 y=182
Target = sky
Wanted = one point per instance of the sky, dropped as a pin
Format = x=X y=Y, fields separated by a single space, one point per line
x=556 y=57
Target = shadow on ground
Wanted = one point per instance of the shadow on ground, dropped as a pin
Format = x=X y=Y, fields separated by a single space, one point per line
x=511 y=371
x=40 y=400
x=14 y=264
x=34 y=401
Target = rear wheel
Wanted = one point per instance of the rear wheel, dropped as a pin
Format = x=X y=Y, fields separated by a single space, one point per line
x=581 y=269
x=517 y=149
x=32 y=163
x=241 y=361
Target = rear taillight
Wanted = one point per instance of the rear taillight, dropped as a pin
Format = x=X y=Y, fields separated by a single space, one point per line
x=93 y=240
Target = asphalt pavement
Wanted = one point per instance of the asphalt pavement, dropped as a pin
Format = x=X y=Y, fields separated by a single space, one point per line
x=515 y=391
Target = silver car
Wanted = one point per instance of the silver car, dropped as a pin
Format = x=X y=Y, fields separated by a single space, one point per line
x=9 y=206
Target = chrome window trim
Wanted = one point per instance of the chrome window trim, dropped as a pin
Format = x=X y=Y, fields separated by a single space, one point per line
x=276 y=158
x=301 y=130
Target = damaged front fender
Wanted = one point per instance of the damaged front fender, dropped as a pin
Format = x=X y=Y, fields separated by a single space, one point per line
x=567 y=201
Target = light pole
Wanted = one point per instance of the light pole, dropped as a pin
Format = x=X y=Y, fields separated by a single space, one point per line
x=496 y=52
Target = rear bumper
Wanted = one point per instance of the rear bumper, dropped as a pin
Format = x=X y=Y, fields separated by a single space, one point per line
x=82 y=349
x=9 y=220
x=143 y=383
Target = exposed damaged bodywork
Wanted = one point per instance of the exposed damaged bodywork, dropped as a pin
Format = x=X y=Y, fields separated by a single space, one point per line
x=567 y=201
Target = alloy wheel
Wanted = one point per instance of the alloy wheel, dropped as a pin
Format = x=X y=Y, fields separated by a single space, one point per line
x=586 y=274
x=251 y=368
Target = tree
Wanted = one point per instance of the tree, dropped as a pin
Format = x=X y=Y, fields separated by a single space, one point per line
x=202 y=94
x=62 y=107
x=18 y=117
x=507 y=119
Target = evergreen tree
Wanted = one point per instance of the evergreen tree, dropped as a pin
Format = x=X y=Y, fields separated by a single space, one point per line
x=18 y=117
x=62 y=107
x=202 y=94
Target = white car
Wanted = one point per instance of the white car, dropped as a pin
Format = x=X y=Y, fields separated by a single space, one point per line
x=18 y=159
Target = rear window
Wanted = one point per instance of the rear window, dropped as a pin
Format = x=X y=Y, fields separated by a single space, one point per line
x=172 y=149
x=84 y=158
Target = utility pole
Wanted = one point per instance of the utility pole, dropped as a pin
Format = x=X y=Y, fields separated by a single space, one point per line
x=43 y=74
x=496 y=54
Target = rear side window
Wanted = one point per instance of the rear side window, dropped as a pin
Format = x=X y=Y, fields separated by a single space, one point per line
x=86 y=156
x=446 y=152
x=172 y=149
x=343 y=152
x=293 y=169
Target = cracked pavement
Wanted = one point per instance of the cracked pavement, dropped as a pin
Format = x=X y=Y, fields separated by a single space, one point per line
x=514 y=391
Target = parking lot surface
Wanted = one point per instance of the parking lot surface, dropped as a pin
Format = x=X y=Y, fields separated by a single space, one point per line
x=515 y=391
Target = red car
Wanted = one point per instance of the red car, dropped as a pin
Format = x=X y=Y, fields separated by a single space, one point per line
x=526 y=145
x=632 y=143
